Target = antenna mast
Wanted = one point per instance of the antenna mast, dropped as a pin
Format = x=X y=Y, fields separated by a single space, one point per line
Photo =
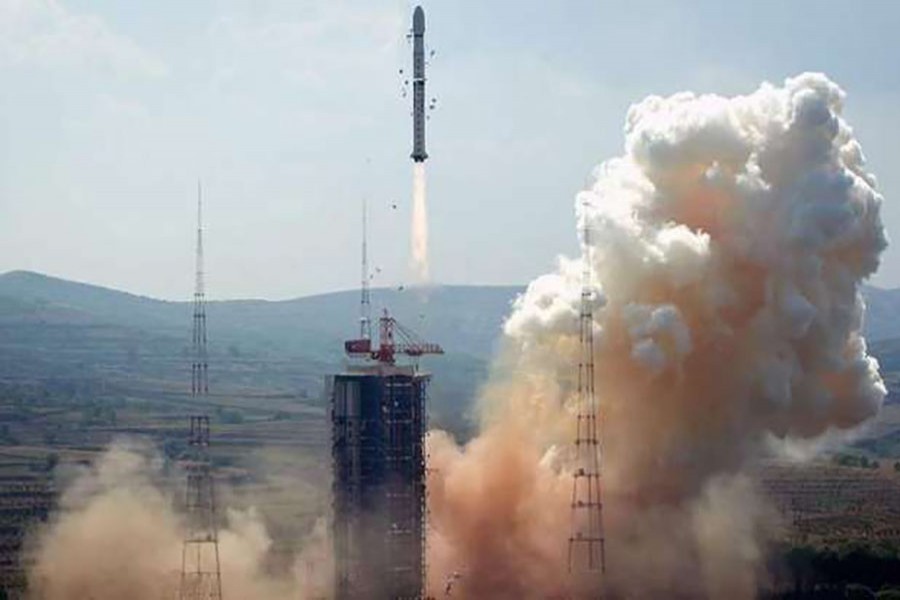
x=200 y=367
x=365 y=309
x=587 y=551
x=201 y=576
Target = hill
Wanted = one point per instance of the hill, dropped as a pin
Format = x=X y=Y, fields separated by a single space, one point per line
x=464 y=318
x=76 y=331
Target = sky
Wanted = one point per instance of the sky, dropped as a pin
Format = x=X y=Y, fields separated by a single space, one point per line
x=291 y=114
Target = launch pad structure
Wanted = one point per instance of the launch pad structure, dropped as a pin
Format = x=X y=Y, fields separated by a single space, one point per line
x=378 y=424
x=378 y=431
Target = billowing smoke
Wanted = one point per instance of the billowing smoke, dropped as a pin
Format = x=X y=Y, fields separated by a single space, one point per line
x=117 y=535
x=728 y=245
x=419 y=237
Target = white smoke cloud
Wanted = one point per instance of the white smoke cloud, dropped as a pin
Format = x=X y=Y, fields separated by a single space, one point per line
x=118 y=534
x=728 y=244
x=750 y=220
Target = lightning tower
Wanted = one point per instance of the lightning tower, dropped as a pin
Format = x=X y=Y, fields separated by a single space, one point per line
x=201 y=576
x=365 y=308
x=586 y=551
x=200 y=365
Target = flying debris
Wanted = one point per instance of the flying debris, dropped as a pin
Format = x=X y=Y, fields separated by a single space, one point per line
x=450 y=581
x=404 y=83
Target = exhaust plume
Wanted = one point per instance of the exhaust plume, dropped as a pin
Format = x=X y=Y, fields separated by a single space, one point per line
x=419 y=225
x=729 y=242
x=116 y=536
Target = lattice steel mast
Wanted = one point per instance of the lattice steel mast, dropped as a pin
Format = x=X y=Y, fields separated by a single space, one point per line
x=200 y=366
x=201 y=576
x=365 y=309
x=587 y=551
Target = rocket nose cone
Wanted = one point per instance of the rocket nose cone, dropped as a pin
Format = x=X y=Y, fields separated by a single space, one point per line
x=418 y=20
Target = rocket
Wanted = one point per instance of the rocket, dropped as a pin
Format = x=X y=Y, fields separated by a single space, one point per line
x=418 y=34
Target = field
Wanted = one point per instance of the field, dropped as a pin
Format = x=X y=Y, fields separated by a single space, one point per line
x=270 y=451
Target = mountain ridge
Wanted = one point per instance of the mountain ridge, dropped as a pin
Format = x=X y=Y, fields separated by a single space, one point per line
x=27 y=276
x=19 y=287
x=50 y=326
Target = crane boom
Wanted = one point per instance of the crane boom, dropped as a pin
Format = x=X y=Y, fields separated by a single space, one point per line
x=394 y=339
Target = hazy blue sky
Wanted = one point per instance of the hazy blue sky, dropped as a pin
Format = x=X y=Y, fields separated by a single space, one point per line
x=290 y=112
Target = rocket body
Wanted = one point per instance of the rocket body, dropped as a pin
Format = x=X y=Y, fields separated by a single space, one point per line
x=418 y=34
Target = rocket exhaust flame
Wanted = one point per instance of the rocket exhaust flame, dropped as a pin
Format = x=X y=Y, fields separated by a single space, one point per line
x=419 y=225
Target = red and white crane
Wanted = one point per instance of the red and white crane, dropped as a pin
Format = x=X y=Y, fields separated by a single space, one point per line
x=394 y=339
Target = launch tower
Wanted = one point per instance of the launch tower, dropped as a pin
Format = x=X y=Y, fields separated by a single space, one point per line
x=378 y=450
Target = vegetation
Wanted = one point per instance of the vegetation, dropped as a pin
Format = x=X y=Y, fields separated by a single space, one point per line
x=854 y=569
x=855 y=460
x=74 y=338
